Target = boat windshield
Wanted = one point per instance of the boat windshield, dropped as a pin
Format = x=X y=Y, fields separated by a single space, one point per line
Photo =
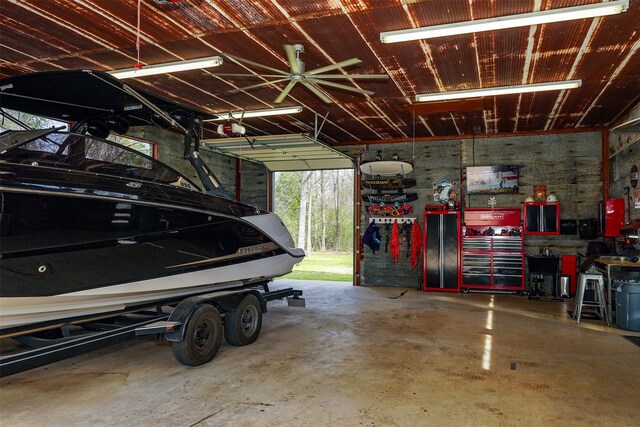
x=84 y=153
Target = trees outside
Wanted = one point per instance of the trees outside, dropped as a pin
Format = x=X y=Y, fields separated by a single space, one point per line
x=317 y=207
x=17 y=120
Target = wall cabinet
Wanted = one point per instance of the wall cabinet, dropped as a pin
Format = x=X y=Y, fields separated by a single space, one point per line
x=492 y=250
x=441 y=251
x=541 y=218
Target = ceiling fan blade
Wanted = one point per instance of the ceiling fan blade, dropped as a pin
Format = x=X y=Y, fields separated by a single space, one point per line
x=291 y=57
x=242 y=75
x=341 y=86
x=348 y=62
x=285 y=92
x=352 y=76
x=257 y=85
x=266 y=67
x=315 y=90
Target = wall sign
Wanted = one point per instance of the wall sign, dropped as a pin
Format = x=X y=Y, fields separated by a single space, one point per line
x=633 y=176
x=636 y=198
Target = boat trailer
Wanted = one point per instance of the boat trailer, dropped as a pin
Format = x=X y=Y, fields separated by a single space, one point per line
x=194 y=325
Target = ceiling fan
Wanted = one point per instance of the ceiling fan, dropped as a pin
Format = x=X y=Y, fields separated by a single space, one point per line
x=297 y=74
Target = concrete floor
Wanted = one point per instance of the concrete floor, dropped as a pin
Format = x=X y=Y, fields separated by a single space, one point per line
x=356 y=357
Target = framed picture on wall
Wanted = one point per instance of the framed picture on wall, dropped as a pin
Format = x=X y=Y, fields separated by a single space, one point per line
x=501 y=179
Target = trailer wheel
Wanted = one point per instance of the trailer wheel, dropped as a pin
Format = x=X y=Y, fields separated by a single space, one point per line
x=242 y=325
x=202 y=338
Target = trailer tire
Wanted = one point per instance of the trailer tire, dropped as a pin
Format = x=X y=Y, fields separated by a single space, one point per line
x=242 y=325
x=202 y=338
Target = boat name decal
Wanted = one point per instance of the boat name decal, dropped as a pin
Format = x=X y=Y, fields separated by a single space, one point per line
x=248 y=250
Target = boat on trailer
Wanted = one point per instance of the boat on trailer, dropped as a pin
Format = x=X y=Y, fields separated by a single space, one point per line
x=90 y=228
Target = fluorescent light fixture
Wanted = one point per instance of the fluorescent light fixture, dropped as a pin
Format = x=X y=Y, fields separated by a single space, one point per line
x=257 y=113
x=509 y=21
x=168 y=67
x=502 y=90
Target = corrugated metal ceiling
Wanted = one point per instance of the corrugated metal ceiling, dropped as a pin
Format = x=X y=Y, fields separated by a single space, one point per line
x=40 y=35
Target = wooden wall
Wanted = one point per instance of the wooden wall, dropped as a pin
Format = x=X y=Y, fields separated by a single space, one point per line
x=569 y=164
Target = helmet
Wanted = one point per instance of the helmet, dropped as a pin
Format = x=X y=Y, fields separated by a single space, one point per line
x=529 y=199
x=551 y=198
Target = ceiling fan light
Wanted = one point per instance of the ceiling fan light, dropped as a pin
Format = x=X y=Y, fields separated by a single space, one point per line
x=168 y=67
x=509 y=21
x=502 y=90
x=257 y=113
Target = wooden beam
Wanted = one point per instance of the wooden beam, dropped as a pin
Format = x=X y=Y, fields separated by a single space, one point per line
x=605 y=164
x=357 y=231
x=269 y=190
x=470 y=136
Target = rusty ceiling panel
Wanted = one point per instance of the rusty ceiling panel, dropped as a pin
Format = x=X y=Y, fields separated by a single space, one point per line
x=483 y=9
x=248 y=14
x=428 y=13
x=196 y=18
x=407 y=65
x=472 y=104
x=38 y=33
x=604 y=52
x=311 y=9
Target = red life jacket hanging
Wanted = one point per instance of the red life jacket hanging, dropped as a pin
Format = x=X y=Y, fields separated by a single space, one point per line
x=394 y=245
x=416 y=240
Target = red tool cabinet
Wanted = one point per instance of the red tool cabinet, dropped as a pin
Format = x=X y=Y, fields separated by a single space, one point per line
x=492 y=250
x=569 y=267
x=611 y=217
x=441 y=250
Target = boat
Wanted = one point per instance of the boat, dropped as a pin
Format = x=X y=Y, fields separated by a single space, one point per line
x=91 y=228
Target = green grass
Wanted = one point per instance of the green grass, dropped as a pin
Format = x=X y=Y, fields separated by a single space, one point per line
x=324 y=266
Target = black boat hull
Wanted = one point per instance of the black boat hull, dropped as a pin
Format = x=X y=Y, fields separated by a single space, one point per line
x=67 y=256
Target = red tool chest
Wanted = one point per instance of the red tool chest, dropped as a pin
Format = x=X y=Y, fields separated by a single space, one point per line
x=492 y=250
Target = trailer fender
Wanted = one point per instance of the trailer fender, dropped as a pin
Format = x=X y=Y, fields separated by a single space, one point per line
x=183 y=311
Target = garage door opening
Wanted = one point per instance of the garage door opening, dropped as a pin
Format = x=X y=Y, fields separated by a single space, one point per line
x=317 y=208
